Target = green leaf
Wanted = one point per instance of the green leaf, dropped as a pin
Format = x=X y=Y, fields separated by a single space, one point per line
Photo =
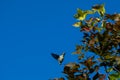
x=109 y=69
x=77 y=24
x=81 y=15
x=99 y=8
x=99 y=29
x=114 y=76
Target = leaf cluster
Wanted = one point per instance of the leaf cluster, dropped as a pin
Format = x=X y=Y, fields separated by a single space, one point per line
x=101 y=36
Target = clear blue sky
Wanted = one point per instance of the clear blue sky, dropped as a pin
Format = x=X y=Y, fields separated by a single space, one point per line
x=31 y=29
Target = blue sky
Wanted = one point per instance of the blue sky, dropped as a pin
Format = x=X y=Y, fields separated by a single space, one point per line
x=31 y=29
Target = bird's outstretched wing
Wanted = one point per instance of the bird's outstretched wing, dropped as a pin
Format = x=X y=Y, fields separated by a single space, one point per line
x=55 y=56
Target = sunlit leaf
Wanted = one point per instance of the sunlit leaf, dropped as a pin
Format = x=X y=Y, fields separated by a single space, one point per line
x=114 y=76
x=81 y=15
x=108 y=56
x=76 y=66
x=77 y=24
x=89 y=21
x=71 y=65
x=99 y=8
x=92 y=22
x=97 y=19
x=99 y=29
x=110 y=69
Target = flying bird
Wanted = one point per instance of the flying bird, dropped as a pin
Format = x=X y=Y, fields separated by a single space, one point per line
x=59 y=58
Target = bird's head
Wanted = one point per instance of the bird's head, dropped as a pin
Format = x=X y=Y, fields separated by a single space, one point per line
x=63 y=53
